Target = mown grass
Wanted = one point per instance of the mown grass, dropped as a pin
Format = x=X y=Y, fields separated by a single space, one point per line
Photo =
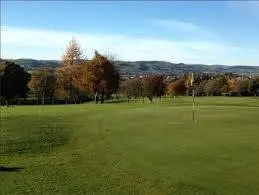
x=135 y=148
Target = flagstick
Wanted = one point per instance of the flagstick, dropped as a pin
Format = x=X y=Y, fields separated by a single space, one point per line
x=193 y=108
x=193 y=118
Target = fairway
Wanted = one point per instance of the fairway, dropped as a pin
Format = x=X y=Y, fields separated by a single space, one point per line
x=135 y=148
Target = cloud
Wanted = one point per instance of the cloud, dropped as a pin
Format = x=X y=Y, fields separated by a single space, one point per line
x=183 y=28
x=254 y=3
x=174 y=24
x=249 y=7
x=50 y=44
x=247 y=4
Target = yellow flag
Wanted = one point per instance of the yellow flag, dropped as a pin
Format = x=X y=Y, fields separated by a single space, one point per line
x=192 y=79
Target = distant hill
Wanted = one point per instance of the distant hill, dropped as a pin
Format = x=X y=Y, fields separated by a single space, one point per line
x=150 y=66
x=167 y=67
x=31 y=64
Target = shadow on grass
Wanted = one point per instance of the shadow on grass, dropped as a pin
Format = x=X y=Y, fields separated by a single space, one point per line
x=10 y=169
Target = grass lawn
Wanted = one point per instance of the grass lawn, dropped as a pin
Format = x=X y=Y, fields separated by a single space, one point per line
x=136 y=148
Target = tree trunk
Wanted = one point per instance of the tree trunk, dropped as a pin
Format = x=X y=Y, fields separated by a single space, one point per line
x=187 y=93
x=43 y=98
x=70 y=91
x=150 y=99
x=102 y=98
x=96 y=97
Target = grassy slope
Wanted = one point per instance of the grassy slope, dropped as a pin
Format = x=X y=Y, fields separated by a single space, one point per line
x=132 y=148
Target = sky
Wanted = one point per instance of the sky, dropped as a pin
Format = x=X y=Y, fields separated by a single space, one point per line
x=201 y=32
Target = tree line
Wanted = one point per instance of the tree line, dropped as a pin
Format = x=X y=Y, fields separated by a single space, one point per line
x=80 y=79
x=155 y=85
x=76 y=81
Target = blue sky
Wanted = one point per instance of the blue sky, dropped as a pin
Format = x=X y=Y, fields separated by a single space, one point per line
x=207 y=32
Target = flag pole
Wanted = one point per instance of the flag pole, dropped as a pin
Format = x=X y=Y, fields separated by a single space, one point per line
x=193 y=102
x=193 y=106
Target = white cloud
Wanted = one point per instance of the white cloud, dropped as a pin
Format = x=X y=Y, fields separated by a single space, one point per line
x=50 y=44
x=174 y=24
x=248 y=7
x=183 y=28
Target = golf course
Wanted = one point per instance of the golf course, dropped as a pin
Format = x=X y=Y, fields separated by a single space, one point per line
x=132 y=148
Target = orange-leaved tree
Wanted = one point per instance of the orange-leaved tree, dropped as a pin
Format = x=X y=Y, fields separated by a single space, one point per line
x=153 y=86
x=99 y=76
x=71 y=61
x=176 y=88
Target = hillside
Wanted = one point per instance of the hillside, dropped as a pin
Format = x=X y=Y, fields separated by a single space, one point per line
x=151 y=66
x=167 y=67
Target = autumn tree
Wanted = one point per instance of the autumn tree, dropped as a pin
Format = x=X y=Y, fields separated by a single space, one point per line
x=43 y=84
x=153 y=85
x=73 y=54
x=209 y=88
x=132 y=88
x=71 y=60
x=99 y=76
x=233 y=88
x=215 y=86
x=61 y=94
x=1 y=67
x=126 y=89
x=160 y=86
x=225 y=89
x=199 y=88
x=176 y=88
x=137 y=87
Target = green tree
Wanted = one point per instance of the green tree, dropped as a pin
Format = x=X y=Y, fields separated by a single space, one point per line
x=43 y=84
x=14 y=81
x=244 y=87
x=256 y=86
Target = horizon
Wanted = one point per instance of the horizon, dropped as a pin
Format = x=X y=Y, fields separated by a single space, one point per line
x=175 y=32
x=132 y=61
